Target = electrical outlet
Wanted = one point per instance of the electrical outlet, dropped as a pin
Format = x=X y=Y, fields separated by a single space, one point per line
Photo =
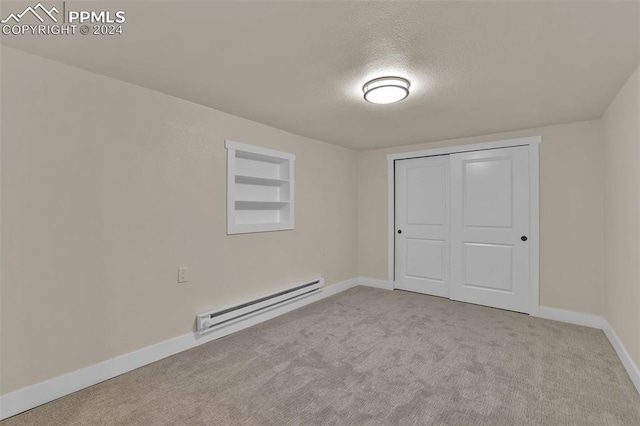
x=183 y=275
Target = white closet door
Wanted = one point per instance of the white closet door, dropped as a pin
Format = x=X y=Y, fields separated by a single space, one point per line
x=422 y=225
x=489 y=228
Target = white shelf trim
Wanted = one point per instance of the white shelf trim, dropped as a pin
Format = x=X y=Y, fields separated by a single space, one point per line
x=257 y=180
x=247 y=204
x=238 y=146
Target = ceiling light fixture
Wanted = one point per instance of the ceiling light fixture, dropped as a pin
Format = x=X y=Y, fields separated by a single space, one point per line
x=386 y=90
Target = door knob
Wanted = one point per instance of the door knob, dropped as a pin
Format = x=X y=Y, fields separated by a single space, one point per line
x=523 y=238
x=399 y=231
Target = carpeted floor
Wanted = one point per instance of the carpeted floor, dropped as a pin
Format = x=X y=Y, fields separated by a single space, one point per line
x=369 y=356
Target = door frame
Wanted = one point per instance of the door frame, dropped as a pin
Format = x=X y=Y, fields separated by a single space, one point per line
x=533 y=143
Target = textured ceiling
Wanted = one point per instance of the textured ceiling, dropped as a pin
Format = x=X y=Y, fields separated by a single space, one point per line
x=474 y=67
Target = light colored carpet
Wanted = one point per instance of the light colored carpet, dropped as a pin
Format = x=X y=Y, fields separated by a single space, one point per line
x=369 y=356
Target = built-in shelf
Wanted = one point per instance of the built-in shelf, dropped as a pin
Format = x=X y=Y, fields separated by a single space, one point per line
x=259 y=189
x=254 y=205
x=255 y=180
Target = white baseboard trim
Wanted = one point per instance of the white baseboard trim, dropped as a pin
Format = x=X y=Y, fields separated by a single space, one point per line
x=595 y=321
x=627 y=362
x=374 y=282
x=49 y=390
x=571 y=317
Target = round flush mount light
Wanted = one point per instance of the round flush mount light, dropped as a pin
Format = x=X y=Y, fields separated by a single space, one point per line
x=386 y=90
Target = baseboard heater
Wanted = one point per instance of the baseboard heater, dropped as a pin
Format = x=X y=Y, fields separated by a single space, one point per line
x=209 y=321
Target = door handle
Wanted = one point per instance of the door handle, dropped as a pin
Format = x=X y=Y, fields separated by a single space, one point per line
x=399 y=231
x=523 y=238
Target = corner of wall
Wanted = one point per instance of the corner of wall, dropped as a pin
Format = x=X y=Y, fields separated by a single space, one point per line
x=620 y=135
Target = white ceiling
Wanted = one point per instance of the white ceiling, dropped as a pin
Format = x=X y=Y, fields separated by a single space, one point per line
x=474 y=67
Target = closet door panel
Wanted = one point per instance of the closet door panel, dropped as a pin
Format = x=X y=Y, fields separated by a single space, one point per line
x=422 y=225
x=489 y=227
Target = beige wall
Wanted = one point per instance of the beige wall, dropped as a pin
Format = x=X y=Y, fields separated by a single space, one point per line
x=108 y=188
x=571 y=212
x=621 y=132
